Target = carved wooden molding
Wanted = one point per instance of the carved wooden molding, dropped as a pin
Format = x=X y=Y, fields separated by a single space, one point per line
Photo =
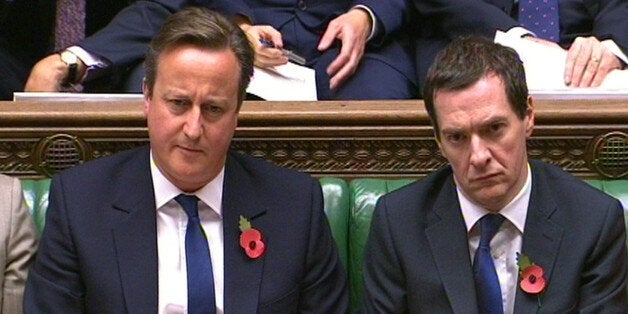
x=348 y=139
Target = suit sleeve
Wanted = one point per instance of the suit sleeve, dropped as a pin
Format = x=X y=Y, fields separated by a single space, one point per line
x=126 y=38
x=54 y=281
x=325 y=282
x=464 y=17
x=604 y=279
x=384 y=290
x=387 y=14
x=611 y=22
x=21 y=246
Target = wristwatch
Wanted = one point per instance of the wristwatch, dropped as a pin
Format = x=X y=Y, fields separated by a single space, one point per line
x=71 y=60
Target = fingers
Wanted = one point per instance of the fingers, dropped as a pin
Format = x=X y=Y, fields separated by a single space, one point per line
x=266 y=55
x=588 y=63
x=606 y=64
x=47 y=75
x=352 y=29
x=344 y=66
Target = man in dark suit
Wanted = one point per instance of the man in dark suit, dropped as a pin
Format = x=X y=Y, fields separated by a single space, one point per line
x=358 y=49
x=114 y=235
x=594 y=32
x=26 y=35
x=430 y=248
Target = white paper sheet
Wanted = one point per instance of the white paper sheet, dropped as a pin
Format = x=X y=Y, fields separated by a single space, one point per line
x=286 y=82
x=545 y=66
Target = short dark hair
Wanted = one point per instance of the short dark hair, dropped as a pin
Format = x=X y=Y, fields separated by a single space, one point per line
x=467 y=60
x=203 y=28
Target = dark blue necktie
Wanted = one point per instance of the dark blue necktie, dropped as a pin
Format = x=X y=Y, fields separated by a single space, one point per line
x=201 y=295
x=540 y=17
x=487 y=287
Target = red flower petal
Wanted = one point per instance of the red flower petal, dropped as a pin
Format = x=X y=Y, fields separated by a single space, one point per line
x=255 y=249
x=532 y=280
x=249 y=235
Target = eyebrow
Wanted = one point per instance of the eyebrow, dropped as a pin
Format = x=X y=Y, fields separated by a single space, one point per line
x=490 y=121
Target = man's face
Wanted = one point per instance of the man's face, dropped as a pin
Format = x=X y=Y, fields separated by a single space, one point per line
x=484 y=141
x=192 y=113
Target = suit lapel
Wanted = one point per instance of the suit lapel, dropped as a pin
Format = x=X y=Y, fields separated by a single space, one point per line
x=135 y=238
x=447 y=237
x=542 y=237
x=243 y=275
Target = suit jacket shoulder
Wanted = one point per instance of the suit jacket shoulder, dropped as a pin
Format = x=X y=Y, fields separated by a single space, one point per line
x=577 y=234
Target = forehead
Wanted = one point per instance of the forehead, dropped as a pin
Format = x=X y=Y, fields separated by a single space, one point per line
x=483 y=100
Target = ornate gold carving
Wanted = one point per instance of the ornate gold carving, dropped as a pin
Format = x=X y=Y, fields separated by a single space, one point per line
x=609 y=154
x=59 y=152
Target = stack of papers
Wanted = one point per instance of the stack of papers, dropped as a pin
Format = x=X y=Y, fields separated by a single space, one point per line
x=545 y=67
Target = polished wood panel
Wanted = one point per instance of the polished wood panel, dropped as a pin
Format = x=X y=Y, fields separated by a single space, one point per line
x=325 y=138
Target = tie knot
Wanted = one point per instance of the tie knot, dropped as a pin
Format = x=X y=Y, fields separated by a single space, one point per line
x=489 y=224
x=189 y=204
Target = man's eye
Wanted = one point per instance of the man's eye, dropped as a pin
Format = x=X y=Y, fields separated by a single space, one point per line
x=497 y=128
x=213 y=109
x=177 y=102
x=455 y=138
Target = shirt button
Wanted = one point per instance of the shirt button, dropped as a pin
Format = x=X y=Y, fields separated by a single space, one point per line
x=302 y=6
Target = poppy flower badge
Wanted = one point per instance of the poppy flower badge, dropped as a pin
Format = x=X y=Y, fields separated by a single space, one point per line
x=251 y=239
x=532 y=277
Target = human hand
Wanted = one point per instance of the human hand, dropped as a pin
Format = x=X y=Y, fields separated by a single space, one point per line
x=265 y=56
x=588 y=63
x=352 y=29
x=48 y=75
x=547 y=43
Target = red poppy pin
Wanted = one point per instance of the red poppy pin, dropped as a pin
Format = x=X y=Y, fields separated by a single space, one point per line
x=251 y=239
x=532 y=277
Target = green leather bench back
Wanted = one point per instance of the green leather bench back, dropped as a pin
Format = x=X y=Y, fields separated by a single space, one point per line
x=348 y=206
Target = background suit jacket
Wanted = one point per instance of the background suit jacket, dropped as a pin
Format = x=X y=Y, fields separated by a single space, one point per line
x=18 y=243
x=99 y=248
x=444 y=20
x=417 y=258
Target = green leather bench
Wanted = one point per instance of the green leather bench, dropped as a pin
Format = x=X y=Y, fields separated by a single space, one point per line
x=348 y=205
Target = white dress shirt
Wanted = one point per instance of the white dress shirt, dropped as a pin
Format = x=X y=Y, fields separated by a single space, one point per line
x=506 y=243
x=171 y=227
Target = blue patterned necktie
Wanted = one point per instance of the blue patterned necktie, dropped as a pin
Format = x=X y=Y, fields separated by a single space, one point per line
x=487 y=287
x=541 y=18
x=201 y=295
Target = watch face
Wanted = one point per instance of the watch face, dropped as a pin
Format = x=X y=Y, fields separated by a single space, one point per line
x=69 y=58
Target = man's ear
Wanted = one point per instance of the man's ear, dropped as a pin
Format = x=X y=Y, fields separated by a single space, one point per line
x=147 y=92
x=529 y=119
x=440 y=146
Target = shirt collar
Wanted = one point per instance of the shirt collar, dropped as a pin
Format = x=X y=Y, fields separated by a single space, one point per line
x=165 y=191
x=515 y=211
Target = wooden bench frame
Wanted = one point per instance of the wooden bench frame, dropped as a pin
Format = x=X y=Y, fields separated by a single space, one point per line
x=588 y=138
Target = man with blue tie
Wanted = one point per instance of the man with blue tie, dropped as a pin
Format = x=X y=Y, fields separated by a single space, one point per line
x=493 y=232
x=184 y=225
x=594 y=33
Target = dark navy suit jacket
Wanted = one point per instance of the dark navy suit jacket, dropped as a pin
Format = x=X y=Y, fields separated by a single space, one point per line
x=444 y=20
x=417 y=258
x=98 y=251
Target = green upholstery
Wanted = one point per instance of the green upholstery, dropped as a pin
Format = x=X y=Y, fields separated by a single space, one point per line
x=364 y=195
x=348 y=206
x=337 y=206
x=36 y=196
